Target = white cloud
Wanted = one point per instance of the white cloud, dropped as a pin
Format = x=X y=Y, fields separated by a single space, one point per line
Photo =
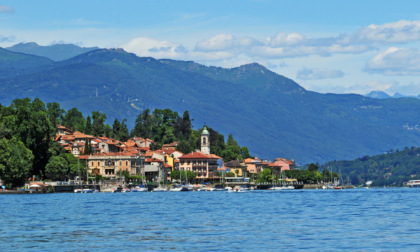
x=402 y=31
x=282 y=39
x=7 y=39
x=223 y=42
x=317 y=74
x=283 y=45
x=147 y=47
x=6 y=9
x=395 y=61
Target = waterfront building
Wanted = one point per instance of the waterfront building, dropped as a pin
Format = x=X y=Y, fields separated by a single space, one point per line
x=204 y=165
x=235 y=166
x=253 y=165
x=109 y=165
x=285 y=164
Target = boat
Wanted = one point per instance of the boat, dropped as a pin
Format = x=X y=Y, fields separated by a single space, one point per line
x=413 y=183
x=175 y=188
x=275 y=188
x=141 y=188
x=88 y=190
x=116 y=189
x=219 y=188
x=185 y=189
x=159 y=189
x=78 y=190
x=126 y=190
x=239 y=189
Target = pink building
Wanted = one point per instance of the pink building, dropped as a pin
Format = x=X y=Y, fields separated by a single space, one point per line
x=204 y=165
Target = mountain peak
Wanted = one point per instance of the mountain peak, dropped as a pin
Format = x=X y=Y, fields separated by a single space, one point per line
x=378 y=95
x=56 y=52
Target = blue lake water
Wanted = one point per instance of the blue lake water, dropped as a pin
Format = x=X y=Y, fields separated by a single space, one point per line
x=358 y=219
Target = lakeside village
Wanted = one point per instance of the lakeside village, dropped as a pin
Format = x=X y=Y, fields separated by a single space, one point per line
x=132 y=166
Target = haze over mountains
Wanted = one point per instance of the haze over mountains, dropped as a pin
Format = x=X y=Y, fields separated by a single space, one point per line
x=270 y=114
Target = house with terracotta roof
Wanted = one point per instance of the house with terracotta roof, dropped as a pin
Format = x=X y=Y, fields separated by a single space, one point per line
x=285 y=164
x=142 y=142
x=110 y=164
x=61 y=130
x=237 y=167
x=253 y=165
x=204 y=165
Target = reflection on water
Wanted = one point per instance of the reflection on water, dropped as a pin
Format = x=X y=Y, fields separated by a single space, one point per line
x=359 y=219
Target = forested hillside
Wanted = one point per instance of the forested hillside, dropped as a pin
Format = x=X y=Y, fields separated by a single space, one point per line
x=390 y=169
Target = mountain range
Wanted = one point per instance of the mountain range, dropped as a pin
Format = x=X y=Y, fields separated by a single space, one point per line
x=270 y=114
x=383 y=95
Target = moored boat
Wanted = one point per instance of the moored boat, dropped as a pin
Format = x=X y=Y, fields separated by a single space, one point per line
x=413 y=183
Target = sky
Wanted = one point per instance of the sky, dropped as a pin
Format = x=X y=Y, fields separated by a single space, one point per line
x=327 y=46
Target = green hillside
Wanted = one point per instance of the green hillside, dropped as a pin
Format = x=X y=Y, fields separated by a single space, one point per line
x=390 y=169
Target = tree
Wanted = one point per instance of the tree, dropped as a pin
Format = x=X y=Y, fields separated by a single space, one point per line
x=245 y=152
x=229 y=174
x=15 y=162
x=30 y=125
x=88 y=128
x=142 y=126
x=183 y=126
x=74 y=120
x=55 y=114
x=233 y=150
x=313 y=167
x=265 y=175
x=98 y=125
x=326 y=176
x=57 y=168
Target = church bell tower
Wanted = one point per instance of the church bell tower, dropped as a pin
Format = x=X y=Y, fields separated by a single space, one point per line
x=205 y=143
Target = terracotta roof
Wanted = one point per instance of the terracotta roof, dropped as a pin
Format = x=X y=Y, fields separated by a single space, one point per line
x=149 y=160
x=215 y=156
x=196 y=155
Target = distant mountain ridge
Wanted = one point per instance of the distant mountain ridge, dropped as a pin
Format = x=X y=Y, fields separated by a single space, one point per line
x=270 y=114
x=383 y=95
x=56 y=52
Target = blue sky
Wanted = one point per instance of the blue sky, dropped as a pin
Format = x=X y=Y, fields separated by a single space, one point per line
x=326 y=46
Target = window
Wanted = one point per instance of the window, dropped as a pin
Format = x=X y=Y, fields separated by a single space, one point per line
x=91 y=163
x=126 y=163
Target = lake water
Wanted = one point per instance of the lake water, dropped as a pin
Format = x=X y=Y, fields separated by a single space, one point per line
x=358 y=219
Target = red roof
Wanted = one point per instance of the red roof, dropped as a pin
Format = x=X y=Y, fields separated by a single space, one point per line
x=149 y=160
x=197 y=155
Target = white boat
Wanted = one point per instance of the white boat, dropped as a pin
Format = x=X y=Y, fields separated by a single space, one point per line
x=413 y=183
x=88 y=190
x=139 y=189
x=175 y=188
x=160 y=189
x=78 y=190
x=239 y=189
